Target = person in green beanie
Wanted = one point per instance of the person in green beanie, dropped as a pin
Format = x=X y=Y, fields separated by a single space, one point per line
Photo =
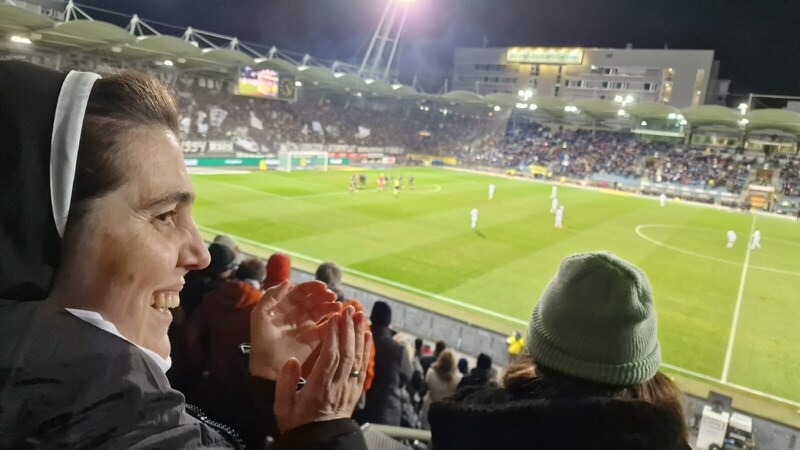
x=589 y=378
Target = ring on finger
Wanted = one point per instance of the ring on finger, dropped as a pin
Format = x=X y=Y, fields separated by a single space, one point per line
x=354 y=373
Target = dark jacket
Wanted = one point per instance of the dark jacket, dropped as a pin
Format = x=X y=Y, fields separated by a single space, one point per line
x=197 y=286
x=65 y=383
x=477 y=378
x=392 y=371
x=216 y=367
x=216 y=329
x=496 y=419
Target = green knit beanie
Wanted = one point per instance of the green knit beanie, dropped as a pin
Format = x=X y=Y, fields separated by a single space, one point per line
x=596 y=321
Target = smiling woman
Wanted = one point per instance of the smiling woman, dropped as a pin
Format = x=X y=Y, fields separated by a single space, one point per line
x=96 y=235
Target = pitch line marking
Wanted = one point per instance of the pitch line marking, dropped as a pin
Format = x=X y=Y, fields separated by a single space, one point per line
x=444 y=299
x=737 y=310
x=710 y=258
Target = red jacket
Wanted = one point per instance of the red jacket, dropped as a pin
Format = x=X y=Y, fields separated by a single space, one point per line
x=219 y=325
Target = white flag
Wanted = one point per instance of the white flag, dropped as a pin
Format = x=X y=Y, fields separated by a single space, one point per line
x=255 y=122
x=216 y=116
x=316 y=126
x=363 y=132
x=202 y=126
x=185 y=126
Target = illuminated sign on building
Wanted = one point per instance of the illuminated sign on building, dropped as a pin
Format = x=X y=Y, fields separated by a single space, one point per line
x=544 y=55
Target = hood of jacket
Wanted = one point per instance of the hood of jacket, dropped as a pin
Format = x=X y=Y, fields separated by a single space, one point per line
x=491 y=418
x=235 y=294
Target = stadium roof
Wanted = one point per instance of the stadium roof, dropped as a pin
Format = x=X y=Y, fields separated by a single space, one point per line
x=598 y=109
x=651 y=110
x=201 y=51
x=711 y=115
x=774 y=119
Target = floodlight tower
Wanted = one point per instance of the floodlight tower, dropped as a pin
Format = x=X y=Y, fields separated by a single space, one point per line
x=377 y=63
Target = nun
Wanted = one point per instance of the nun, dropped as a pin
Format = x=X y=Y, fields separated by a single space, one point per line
x=96 y=236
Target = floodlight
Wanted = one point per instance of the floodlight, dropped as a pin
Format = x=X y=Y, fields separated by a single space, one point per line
x=644 y=123
x=618 y=98
x=298 y=83
x=497 y=108
x=621 y=112
x=168 y=62
x=20 y=39
x=743 y=108
x=532 y=107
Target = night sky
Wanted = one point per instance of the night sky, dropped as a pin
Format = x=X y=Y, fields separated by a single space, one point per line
x=757 y=41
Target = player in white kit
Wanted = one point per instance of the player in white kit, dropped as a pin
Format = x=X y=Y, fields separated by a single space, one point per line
x=662 y=199
x=560 y=217
x=492 y=188
x=731 y=238
x=554 y=192
x=755 y=240
x=474 y=215
x=553 y=205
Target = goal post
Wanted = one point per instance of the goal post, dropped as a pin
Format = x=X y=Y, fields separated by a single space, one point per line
x=289 y=161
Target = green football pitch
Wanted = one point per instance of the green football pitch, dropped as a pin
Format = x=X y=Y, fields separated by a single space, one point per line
x=730 y=315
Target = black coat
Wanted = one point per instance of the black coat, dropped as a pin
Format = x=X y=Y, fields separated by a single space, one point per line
x=477 y=378
x=493 y=418
x=65 y=383
x=392 y=371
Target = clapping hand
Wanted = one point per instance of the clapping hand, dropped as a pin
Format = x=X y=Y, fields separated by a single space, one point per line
x=336 y=380
x=286 y=323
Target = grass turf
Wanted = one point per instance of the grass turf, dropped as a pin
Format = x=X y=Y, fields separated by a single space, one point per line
x=423 y=240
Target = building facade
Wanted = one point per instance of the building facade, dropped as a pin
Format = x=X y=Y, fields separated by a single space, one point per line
x=680 y=78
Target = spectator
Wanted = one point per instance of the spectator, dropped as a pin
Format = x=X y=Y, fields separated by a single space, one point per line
x=330 y=274
x=426 y=361
x=231 y=243
x=200 y=283
x=463 y=366
x=591 y=379
x=109 y=263
x=392 y=371
x=279 y=269
x=482 y=375
x=515 y=344
x=213 y=336
x=442 y=381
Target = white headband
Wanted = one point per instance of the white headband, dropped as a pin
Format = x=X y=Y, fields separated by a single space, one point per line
x=70 y=110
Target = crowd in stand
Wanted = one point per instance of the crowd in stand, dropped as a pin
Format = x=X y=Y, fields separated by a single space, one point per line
x=790 y=177
x=478 y=140
x=323 y=120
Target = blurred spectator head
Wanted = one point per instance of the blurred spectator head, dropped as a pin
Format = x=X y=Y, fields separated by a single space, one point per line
x=484 y=361
x=596 y=321
x=381 y=315
x=223 y=260
x=230 y=242
x=418 y=346
x=463 y=366
x=279 y=269
x=330 y=274
x=251 y=269
x=445 y=365
x=440 y=347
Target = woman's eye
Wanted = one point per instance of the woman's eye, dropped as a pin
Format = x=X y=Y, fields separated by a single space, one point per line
x=167 y=217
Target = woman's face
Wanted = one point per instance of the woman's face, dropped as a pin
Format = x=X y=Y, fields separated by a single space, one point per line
x=133 y=247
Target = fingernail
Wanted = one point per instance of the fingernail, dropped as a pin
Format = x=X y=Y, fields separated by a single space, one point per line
x=350 y=311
